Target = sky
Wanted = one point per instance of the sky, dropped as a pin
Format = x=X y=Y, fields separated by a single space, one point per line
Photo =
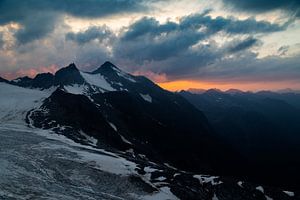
x=179 y=44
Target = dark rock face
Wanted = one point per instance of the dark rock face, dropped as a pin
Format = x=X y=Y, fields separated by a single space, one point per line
x=153 y=125
x=77 y=113
x=44 y=80
x=3 y=80
x=22 y=81
x=262 y=126
x=68 y=76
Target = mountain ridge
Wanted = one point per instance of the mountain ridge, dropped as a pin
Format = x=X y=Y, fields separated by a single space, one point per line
x=172 y=144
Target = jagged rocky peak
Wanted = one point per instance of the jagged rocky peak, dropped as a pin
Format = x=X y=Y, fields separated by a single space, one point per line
x=68 y=75
x=106 y=67
x=71 y=67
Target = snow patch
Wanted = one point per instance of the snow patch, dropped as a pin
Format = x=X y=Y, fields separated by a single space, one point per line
x=240 y=183
x=75 y=89
x=207 y=179
x=260 y=188
x=215 y=197
x=268 y=198
x=126 y=76
x=97 y=80
x=161 y=178
x=150 y=169
x=90 y=140
x=113 y=126
x=146 y=97
x=125 y=140
x=289 y=193
x=16 y=80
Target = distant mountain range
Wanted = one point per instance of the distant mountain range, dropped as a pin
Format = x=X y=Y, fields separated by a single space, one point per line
x=234 y=134
x=233 y=91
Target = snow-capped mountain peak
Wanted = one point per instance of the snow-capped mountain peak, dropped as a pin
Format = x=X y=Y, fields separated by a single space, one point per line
x=106 y=78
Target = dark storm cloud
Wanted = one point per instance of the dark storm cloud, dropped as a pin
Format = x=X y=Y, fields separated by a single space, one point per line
x=290 y=6
x=36 y=28
x=187 y=50
x=92 y=33
x=148 y=40
x=242 y=45
x=230 y=25
x=38 y=17
x=148 y=26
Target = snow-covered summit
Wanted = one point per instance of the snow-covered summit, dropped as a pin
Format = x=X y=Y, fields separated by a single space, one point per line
x=105 y=78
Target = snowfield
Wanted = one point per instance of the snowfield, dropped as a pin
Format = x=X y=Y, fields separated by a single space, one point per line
x=15 y=102
x=39 y=164
x=97 y=80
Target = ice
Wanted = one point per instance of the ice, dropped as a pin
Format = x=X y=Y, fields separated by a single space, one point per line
x=33 y=166
x=146 y=97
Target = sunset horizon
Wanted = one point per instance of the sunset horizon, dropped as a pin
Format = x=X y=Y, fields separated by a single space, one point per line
x=178 y=85
x=150 y=99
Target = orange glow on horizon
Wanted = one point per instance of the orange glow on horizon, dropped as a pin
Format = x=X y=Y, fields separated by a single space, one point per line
x=245 y=86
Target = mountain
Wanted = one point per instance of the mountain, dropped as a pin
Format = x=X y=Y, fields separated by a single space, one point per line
x=108 y=134
x=288 y=90
x=196 y=90
x=129 y=111
x=66 y=76
x=233 y=91
x=264 y=127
